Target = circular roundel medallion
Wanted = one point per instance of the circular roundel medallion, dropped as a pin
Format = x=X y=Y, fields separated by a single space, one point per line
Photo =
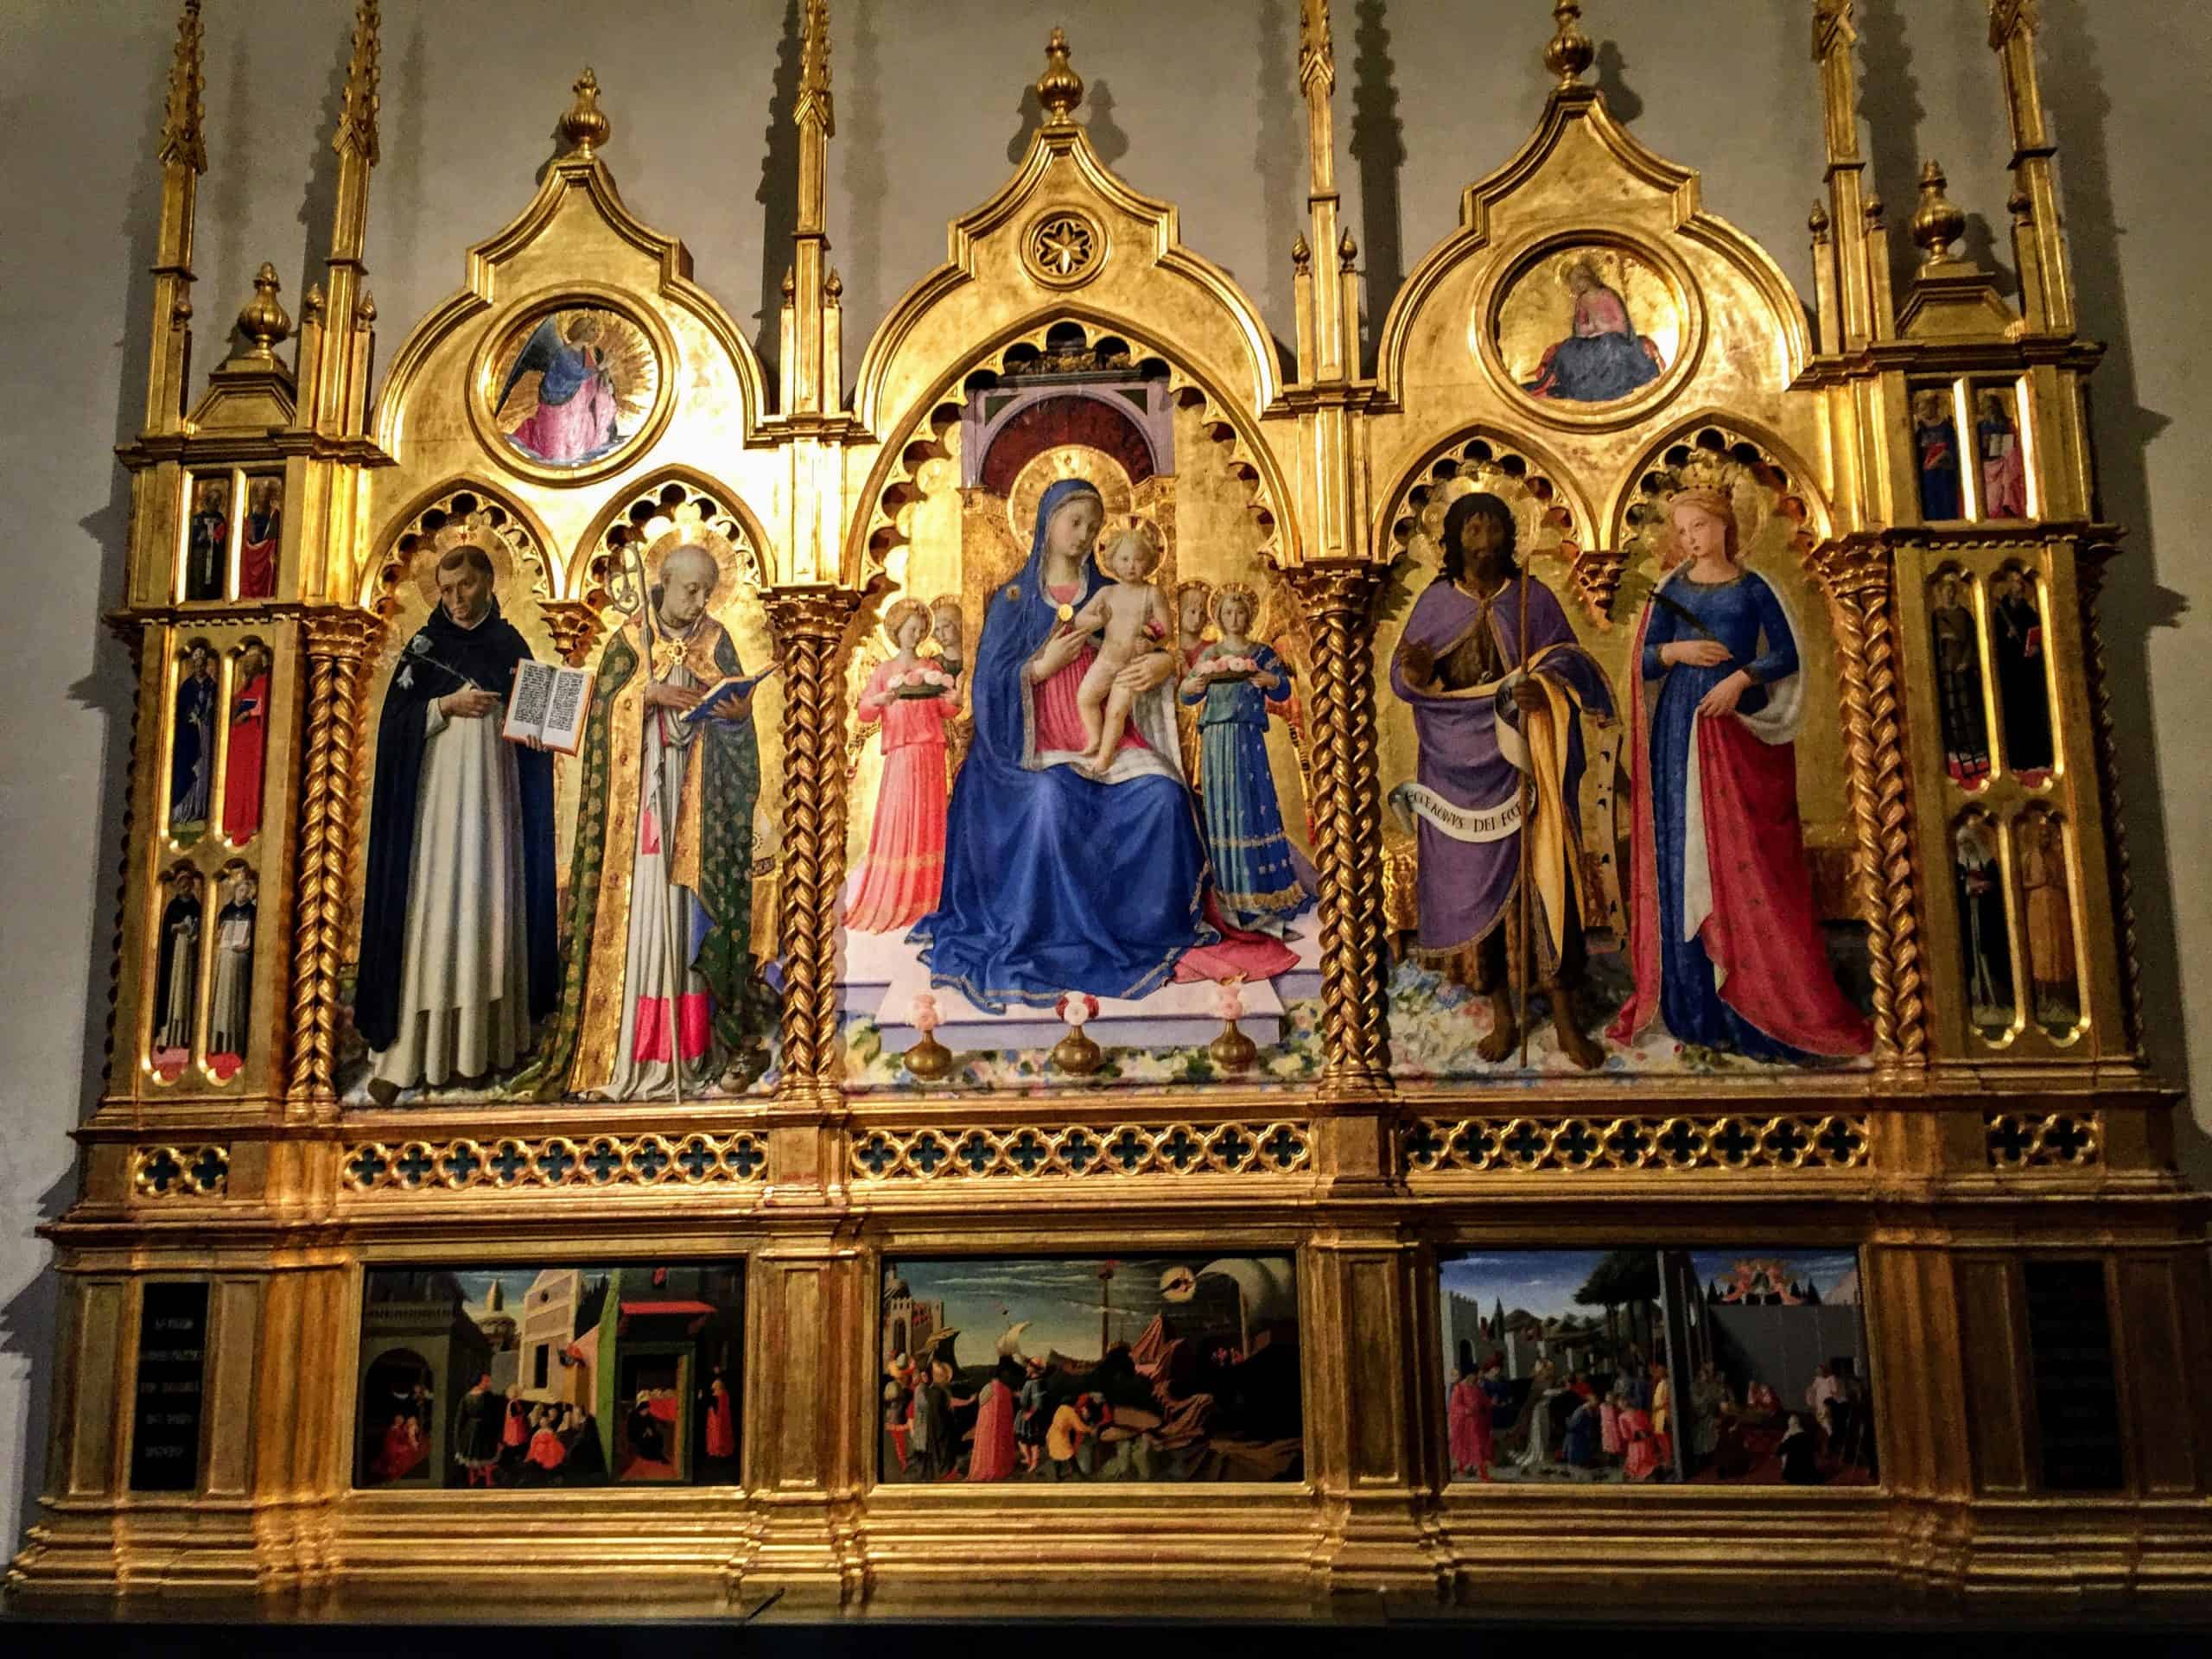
x=1064 y=247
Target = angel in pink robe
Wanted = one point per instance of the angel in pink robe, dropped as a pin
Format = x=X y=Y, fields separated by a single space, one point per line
x=903 y=869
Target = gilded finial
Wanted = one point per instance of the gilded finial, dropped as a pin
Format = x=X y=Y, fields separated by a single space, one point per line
x=1316 y=52
x=1301 y=257
x=2022 y=207
x=1059 y=89
x=1818 y=223
x=834 y=286
x=181 y=138
x=585 y=127
x=366 y=312
x=1874 y=212
x=790 y=284
x=311 y=304
x=357 y=119
x=814 y=103
x=1570 y=52
x=181 y=311
x=1347 y=252
x=260 y=319
x=1938 y=223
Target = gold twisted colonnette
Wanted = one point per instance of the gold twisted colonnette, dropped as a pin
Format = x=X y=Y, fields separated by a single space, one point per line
x=1835 y=1141
x=1857 y=578
x=2090 y=575
x=810 y=626
x=1343 y=775
x=338 y=643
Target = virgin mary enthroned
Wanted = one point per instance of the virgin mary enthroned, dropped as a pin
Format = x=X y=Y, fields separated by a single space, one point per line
x=1056 y=880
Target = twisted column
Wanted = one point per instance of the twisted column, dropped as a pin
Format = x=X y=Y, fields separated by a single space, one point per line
x=810 y=624
x=2089 y=575
x=1343 y=782
x=1861 y=600
x=337 y=644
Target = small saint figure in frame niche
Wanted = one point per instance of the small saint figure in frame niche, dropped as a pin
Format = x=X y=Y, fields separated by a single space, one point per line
x=2046 y=897
x=1958 y=682
x=192 y=747
x=207 y=540
x=176 y=980
x=2004 y=465
x=2023 y=694
x=231 y=1009
x=242 y=768
x=1936 y=445
x=258 y=538
x=1984 y=937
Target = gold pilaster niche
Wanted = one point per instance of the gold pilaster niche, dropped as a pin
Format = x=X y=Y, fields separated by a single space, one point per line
x=1947 y=1224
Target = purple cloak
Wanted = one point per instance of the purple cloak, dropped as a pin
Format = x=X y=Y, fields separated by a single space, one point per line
x=1464 y=886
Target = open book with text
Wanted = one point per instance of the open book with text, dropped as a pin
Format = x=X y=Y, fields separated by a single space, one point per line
x=549 y=702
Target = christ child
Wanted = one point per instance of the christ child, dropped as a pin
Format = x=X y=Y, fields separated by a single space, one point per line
x=1130 y=617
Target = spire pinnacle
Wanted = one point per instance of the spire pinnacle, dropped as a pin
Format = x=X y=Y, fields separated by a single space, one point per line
x=181 y=138
x=357 y=117
x=1317 y=51
x=813 y=100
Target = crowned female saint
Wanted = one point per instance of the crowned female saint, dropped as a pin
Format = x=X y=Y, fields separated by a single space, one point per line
x=1723 y=937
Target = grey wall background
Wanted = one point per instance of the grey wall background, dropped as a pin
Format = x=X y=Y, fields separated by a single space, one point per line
x=1191 y=100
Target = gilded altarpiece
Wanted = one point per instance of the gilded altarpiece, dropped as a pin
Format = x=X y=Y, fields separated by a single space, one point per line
x=1369 y=942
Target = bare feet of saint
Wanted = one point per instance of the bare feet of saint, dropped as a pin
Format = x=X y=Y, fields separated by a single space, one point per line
x=1567 y=1027
x=1504 y=1030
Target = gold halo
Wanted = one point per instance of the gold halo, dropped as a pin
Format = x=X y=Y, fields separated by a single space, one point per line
x=1047 y=468
x=476 y=530
x=665 y=535
x=1230 y=590
x=1113 y=535
x=899 y=610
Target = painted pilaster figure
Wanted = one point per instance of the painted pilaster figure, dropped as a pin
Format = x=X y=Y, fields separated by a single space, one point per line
x=457 y=942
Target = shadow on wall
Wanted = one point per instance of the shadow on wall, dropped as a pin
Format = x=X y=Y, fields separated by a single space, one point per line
x=1378 y=144
x=778 y=197
x=29 y=1322
x=2135 y=601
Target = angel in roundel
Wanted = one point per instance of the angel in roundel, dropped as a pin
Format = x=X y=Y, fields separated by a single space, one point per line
x=577 y=388
x=1603 y=356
